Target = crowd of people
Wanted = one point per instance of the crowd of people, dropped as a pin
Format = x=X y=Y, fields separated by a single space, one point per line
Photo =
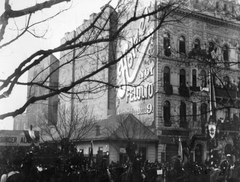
x=74 y=167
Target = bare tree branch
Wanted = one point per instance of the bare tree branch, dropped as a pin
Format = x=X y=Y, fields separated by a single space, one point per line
x=9 y=13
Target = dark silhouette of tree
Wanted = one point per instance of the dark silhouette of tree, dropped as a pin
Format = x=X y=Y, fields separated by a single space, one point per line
x=68 y=126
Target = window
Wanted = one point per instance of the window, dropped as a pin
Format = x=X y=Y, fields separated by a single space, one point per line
x=166 y=75
x=203 y=116
x=225 y=7
x=217 y=5
x=166 y=44
x=194 y=78
x=183 y=119
x=182 y=78
x=167 y=113
x=226 y=55
x=204 y=112
x=197 y=44
x=182 y=45
x=227 y=113
x=226 y=81
x=194 y=111
x=211 y=47
x=203 y=78
x=233 y=9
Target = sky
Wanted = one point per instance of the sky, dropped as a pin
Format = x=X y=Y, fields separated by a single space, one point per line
x=12 y=55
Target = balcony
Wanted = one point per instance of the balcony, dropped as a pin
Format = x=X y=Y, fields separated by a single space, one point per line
x=230 y=93
x=168 y=89
x=230 y=126
x=184 y=91
x=195 y=89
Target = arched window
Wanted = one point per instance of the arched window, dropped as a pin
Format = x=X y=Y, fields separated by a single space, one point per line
x=226 y=55
x=194 y=78
x=217 y=5
x=194 y=111
x=183 y=119
x=182 y=45
x=226 y=81
x=166 y=44
x=167 y=113
x=203 y=116
x=225 y=7
x=166 y=76
x=197 y=45
x=203 y=78
x=182 y=78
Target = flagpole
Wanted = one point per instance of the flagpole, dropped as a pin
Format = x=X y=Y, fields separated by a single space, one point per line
x=212 y=99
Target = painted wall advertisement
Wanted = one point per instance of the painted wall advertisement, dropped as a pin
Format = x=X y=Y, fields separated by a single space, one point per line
x=135 y=74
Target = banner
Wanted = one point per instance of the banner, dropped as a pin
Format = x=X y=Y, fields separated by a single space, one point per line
x=18 y=138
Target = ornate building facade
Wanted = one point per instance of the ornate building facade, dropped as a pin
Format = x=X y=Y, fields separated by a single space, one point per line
x=197 y=76
x=185 y=73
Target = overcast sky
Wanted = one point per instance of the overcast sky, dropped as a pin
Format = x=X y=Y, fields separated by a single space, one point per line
x=11 y=56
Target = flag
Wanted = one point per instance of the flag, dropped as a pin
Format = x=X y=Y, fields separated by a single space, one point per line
x=31 y=136
x=180 y=149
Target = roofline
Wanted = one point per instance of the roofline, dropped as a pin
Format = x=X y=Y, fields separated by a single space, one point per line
x=206 y=17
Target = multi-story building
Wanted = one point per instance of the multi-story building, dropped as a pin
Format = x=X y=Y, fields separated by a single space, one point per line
x=47 y=75
x=187 y=72
x=83 y=61
x=20 y=122
x=199 y=52
x=193 y=68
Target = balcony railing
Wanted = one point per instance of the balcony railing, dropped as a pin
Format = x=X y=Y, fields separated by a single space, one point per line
x=168 y=89
x=184 y=91
x=226 y=92
x=229 y=125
